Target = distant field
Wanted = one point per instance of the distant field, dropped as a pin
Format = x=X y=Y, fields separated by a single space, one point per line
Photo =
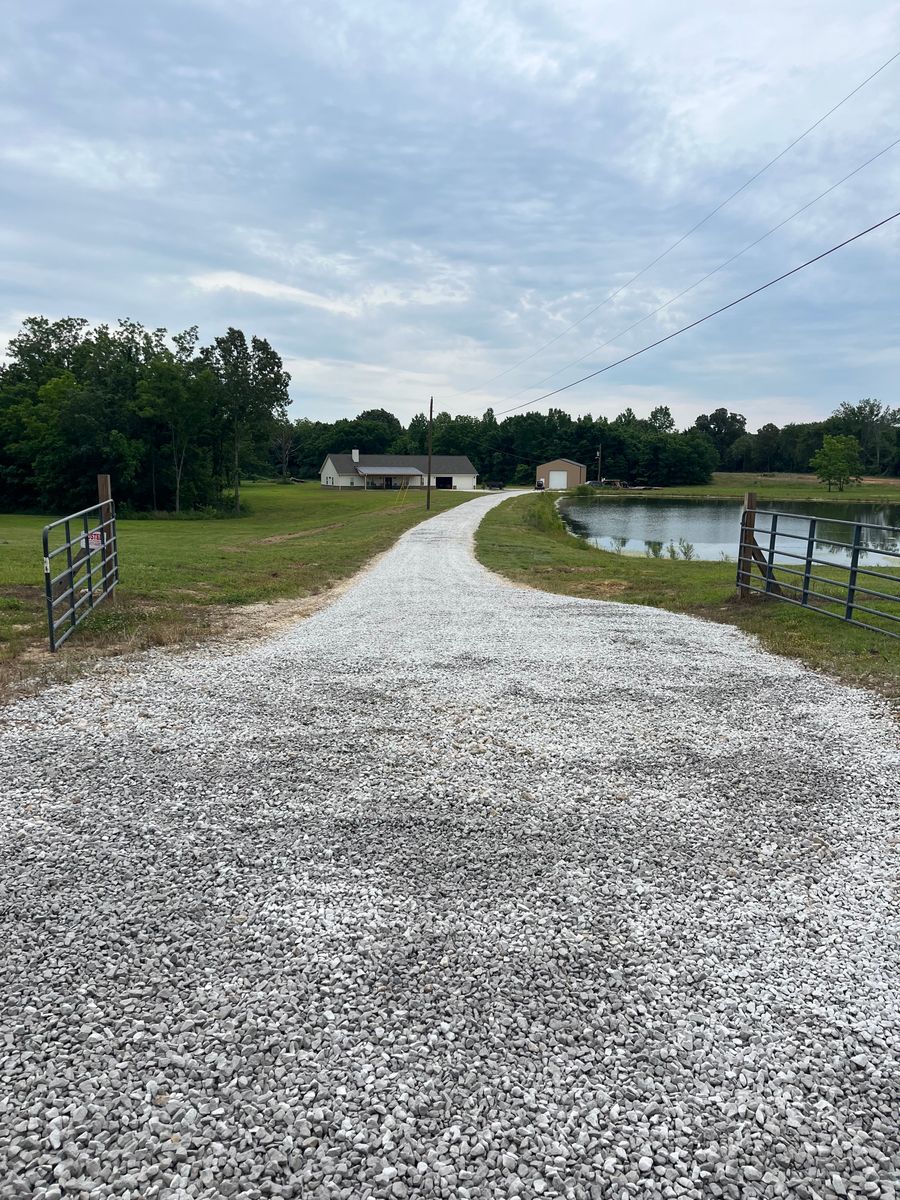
x=177 y=576
x=526 y=541
x=783 y=486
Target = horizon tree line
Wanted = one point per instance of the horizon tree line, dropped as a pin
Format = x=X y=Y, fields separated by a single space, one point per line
x=178 y=425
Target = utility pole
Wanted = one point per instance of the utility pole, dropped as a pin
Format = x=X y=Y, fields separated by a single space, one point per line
x=599 y=461
x=430 y=432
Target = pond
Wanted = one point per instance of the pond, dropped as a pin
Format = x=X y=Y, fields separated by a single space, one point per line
x=711 y=528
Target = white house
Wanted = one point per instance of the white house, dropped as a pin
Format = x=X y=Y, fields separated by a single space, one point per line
x=451 y=471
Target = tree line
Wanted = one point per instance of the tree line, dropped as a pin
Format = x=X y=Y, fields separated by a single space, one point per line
x=635 y=450
x=874 y=426
x=508 y=451
x=175 y=424
x=178 y=425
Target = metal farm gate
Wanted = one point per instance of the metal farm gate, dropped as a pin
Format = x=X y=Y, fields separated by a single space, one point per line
x=86 y=546
x=780 y=558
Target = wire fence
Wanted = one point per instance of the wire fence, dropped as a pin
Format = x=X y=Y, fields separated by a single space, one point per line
x=86 y=544
x=854 y=577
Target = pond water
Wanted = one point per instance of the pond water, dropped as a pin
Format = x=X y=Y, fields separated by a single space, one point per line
x=712 y=527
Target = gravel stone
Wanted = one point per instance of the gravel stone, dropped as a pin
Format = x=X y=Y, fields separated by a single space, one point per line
x=453 y=889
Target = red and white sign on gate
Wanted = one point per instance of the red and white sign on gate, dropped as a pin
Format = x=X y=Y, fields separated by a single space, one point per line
x=95 y=539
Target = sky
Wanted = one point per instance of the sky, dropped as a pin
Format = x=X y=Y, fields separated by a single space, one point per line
x=410 y=198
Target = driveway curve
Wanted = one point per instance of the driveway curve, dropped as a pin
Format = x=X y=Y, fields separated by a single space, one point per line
x=456 y=889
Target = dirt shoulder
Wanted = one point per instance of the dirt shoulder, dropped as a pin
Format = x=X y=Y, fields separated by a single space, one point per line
x=36 y=668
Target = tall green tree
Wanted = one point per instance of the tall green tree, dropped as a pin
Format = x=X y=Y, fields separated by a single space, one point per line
x=252 y=392
x=875 y=426
x=838 y=461
x=284 y=441
x=766 y=450
x=723 y=428
x=661 y=419
x=181 y=399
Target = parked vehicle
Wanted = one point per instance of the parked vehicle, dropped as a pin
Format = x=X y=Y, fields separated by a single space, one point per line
x=539 y=485
x=494 y=485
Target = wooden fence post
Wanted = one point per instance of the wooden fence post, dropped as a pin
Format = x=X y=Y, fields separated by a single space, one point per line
x=750 y=552
x=748 y=539
x=104 y=494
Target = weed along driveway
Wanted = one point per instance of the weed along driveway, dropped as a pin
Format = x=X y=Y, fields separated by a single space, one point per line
x=455 y=889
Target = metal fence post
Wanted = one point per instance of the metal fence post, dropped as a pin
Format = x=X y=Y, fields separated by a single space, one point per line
x=114 y=545
x=105 y=496
x=104 y=493
x=770 y=569
x=807 y=566
x=854 y=564
x=48 y=587
x=90 y=576
x=71 y=569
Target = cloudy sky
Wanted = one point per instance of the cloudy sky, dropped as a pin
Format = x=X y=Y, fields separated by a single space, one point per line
x=410 y=196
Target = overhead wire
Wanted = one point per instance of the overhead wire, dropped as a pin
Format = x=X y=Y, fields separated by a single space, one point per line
x=709 y=274
x=708 y=317
x=693 y=229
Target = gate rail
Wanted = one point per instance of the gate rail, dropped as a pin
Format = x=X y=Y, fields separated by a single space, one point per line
x=834 y=589
x=91 y=571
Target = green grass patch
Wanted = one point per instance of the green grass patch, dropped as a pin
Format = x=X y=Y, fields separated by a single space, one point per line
x=296 y=541
x=526 y=540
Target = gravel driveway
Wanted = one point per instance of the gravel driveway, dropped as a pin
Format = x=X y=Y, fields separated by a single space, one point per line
x=456 y=889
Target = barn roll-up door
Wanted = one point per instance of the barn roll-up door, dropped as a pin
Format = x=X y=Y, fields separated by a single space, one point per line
x=559 y=479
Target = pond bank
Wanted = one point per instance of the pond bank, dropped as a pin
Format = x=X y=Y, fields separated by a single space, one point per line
x=710 y=527
x=526 y=541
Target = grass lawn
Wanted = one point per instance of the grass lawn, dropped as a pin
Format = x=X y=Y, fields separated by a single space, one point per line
x=781 y=486
x=178 y=577
x=526 y=541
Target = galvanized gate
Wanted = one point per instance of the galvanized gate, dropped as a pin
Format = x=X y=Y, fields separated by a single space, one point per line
x=86 y=544
x=788 y=567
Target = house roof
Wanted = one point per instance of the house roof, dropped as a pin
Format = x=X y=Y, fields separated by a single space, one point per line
x=361 y=470
x=568 y=460
x=441 y=464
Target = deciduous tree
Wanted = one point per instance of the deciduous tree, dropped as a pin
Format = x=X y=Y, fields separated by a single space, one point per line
x=252 y=392
x=838 y=461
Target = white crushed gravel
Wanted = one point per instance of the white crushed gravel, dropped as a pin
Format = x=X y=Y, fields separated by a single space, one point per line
x=456 y=889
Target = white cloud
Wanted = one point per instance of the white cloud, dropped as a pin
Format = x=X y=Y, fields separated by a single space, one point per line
x=377 y=296
x=300 y=255
x=267 y=289
x=92 y=164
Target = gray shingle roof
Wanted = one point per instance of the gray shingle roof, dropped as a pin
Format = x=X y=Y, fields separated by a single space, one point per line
x=441 y=464
x=362 y=469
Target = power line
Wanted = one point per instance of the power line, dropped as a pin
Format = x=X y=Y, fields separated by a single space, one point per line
x=722 y=265
x=692 y=230
x=700 y=320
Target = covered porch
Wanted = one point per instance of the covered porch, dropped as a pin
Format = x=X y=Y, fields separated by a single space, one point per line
x=391 y=477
